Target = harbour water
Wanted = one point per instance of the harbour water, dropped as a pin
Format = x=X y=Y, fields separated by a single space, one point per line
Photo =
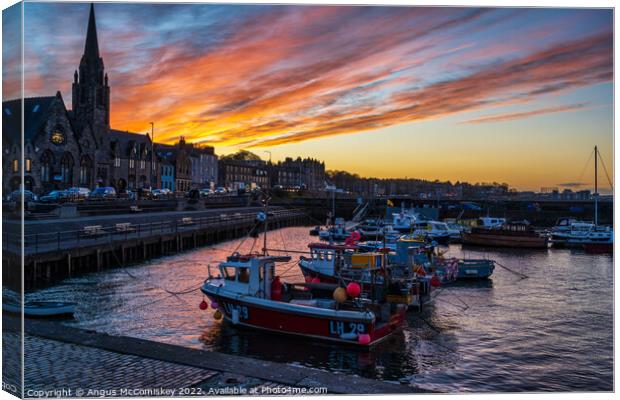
x=550 y=332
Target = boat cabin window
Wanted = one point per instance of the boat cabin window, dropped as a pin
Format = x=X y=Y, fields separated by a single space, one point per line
x=244 y=275
x=229 y=273
x=329 y=256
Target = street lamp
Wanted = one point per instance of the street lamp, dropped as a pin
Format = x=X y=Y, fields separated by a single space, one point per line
x=267 y=151
x=153 y=172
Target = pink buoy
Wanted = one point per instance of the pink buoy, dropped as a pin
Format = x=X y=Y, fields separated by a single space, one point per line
x=308 y=279
x=363 y=338
x=353 y=289
x=316 y=280
x=203 y=305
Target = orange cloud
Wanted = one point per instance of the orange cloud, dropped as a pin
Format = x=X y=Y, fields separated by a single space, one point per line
x=525 y=114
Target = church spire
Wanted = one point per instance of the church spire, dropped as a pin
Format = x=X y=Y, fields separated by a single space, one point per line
x=91 y=48
x=91 y=93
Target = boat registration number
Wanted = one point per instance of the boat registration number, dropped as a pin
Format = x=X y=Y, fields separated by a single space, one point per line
x=338 y=328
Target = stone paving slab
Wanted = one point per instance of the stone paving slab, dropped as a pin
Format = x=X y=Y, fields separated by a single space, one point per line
x=247 y=368
x=71 y=370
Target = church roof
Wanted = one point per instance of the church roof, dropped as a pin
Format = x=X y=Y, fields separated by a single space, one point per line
x=36 y=112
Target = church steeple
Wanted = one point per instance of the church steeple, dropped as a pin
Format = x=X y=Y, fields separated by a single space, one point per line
x=91 y=48
x=91 y=93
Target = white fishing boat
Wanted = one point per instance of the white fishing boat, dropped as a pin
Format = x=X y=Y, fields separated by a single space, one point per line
x=40 y=308
x=490 y=222
x=433 y=231
x=404 y=221
x=335 y=233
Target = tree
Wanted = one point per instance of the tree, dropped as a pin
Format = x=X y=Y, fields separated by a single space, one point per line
x=242 y=155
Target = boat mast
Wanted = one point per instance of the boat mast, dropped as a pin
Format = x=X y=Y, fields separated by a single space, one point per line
x=266 y=200
x=595 y=185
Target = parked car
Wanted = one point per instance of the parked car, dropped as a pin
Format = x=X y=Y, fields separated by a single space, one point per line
x=159 y=193
x=130 y=194
x=55 y=196
x=105 y=192
x=78 y=193
x=220 y=190
x=17 y=195
x=206 y=192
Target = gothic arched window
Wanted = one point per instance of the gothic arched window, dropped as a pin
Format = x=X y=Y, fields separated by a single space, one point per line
x=66 y=168
x=47 y=160
x=86 y=167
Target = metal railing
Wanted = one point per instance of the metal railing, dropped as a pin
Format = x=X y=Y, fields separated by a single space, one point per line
x=122 y=231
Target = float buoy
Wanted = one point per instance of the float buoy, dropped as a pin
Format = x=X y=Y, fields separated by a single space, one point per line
x=353 y=289
x=217 y=315
x=340 y=295
x=435 y=281
x=363 y=338
x=203 y=305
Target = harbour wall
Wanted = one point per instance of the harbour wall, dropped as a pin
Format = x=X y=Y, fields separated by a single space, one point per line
x=54 y=255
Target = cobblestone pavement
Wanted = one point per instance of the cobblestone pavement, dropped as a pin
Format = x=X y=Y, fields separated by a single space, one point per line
x=59 y=369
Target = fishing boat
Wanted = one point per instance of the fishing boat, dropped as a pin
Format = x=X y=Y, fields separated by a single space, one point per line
x=375 y=267
x=515 y=235
x=248 y=293
x=433 y=261
x=374 y=229
x=490 y=222
x=404 y=221
x=433 y=230
x=338 y=232
x=40 y=309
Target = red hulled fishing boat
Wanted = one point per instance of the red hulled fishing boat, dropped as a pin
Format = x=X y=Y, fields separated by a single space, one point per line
x=248 y=293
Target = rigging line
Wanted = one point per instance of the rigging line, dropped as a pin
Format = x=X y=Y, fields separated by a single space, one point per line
x=283 y=243
x=585 y=166
x=245 y=237
x=606 y=174
x=172 y=293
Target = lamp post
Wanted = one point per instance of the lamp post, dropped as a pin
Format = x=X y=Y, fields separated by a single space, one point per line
x=153 y=158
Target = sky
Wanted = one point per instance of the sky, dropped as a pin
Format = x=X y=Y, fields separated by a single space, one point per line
x=512 y=95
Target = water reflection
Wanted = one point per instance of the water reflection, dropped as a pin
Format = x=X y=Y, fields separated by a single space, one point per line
x=552 y=331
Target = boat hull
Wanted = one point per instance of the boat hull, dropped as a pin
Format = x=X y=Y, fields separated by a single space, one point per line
x=303 y=321
x=41 y=309
x=308 y=272
x=599 y=248
x=530 y=242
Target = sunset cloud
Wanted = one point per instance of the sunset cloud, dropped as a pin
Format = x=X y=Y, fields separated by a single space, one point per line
x=525 y=114
x=251 y=76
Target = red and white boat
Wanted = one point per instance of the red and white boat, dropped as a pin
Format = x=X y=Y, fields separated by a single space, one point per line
x=248 y=293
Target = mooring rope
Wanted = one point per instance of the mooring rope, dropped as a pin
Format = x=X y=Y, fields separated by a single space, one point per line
x=522 y=275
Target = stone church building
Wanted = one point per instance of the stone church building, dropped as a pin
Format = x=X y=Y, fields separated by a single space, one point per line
x=66 y=148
